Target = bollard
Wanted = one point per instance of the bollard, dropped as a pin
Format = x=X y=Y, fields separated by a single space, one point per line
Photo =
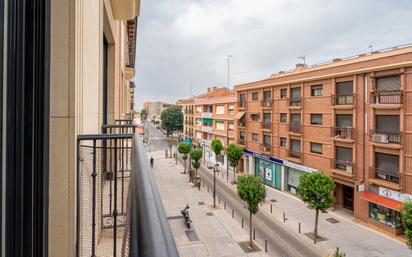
x=299 y=227
x=242 y=222
x=284 y=218
x=203 y=184
x=208 y=189
x=270 y=208
x=219 y=199
x=233 y=213
x=254 y=234
x=266 y=246
x=225 y=205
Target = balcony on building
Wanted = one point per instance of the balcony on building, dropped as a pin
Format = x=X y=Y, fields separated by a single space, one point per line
x=241 y=104
x=267 y=100
x=295 y=149
x=267 y=121
x=386 y=171
x=343 y=162
x=344 y=97
x=387 y=93
x=241 y=141
x=344 y=131
x=208 y=115
x=112 y=217
x=387 y=131
x=295 y=100
x=295 y=125
x=266 y=148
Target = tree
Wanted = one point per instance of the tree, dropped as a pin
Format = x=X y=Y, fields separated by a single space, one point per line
x=196 y=155
x=315 y=189
x=407 y=222
x=172 y=120
x=217 y=148
x=184 y=149
x=143 y=114
x=252 y=191
x=234 y=153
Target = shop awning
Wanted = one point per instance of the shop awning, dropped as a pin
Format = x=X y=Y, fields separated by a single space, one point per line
x=388 y=203
x=239 y=115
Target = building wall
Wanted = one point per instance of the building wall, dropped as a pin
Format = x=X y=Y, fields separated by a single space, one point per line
x=363 y=71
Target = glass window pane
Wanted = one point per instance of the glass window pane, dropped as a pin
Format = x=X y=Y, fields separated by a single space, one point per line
x=344 y=88
x=343 y=154
x=388 y=83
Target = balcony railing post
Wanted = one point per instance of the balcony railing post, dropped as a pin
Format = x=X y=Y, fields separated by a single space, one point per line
x=94 y=174
x=115 y=201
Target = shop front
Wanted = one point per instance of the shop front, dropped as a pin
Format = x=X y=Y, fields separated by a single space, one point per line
x=293 y=172
x=269 y=169
x=384 y=208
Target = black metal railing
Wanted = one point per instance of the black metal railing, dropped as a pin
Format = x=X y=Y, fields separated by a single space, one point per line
x=295 y=154
x=343 y=133
x=387 y=97
x=386 y=136
x=343 y=165
x=384 y=175
x=295 y=128
x=267 y=125
x=241 y=141
x=343 y=99
x=266 y=148
x=113 y=219
x=267 y=103
x=295 y=101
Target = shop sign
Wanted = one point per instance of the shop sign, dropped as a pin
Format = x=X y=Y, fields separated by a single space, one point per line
x=395 y=195
x=263 y=157
x=268 y=174
x=299 y=167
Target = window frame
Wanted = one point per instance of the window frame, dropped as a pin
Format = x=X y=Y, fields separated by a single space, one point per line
x=316 y=152
x=283 y=140
x=253 y=137
x=313 y=89
x=316 y=114
x=286 y=117
x=286 y=93
x=255 y=93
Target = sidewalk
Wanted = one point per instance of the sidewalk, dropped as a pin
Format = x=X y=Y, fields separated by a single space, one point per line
x=348 y=234
x=217 y=233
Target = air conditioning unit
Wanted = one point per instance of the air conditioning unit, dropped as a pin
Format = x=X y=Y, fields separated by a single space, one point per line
x=265 y=148
x=348 y=169
x=380 y=138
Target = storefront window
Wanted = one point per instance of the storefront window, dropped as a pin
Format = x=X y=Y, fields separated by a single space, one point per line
x=385 y=215
x=292 y=180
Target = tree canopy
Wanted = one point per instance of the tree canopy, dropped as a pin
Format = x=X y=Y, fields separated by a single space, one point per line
x=407 y=223
x=143 y=114
x=234 y=153
x=196 y=155
x=315 y=189
x=172 y=119
x=183 y=148
x=252 y=191
x=217 y=147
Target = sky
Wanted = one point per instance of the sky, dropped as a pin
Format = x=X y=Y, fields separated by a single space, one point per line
x=182 y=45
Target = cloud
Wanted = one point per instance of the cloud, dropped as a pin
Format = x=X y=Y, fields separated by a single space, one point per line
x=183 y=42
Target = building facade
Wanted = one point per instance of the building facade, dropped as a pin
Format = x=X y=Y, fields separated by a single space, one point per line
x=214 y=113
x=349 y=119
x=188 y=107
x=155 y=109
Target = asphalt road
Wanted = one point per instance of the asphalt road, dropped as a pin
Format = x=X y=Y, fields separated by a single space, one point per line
x=157 y=141
x=281 y=242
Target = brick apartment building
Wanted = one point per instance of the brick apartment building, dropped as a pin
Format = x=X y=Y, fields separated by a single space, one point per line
x=208 y=116
x=350 y=119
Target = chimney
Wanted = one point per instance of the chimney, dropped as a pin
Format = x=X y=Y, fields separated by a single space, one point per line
x=336 y=60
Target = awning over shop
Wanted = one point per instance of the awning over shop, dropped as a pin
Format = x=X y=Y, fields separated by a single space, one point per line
x=388 y=203
x=239 y=115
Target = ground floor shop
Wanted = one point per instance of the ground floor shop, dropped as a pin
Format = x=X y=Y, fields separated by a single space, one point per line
x=270 y=172
x=293 y=172
x=382 y=209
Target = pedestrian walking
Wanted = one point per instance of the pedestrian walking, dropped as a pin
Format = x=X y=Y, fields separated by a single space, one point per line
x=151 y=161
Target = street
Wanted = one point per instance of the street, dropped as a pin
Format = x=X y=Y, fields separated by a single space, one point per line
x=156 y=140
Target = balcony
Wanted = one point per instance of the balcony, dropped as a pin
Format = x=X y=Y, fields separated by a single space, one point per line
x=295 y=154
x=112 y=217
x=267 y=103
x=241 y=104
x=387 y=97
x=345 y=166
x=207 y=115
x=242 y=124
x=207 y=129
x=241 y=141
x=295 y=102
x=345 y=134
x=266 y=148
x=343 y=99
x=386 y=137
x=295 y=128
x=389 y=179
x=267 y=125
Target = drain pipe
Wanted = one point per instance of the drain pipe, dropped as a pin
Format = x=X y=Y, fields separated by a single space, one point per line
x=365 y=84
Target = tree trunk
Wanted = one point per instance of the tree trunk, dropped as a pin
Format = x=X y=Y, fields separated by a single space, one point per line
x=315 y=236
x=250 y=230
x=234 y=175
x=184 y=166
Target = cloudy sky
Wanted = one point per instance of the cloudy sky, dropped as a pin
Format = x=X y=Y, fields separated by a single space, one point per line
x=185 y=42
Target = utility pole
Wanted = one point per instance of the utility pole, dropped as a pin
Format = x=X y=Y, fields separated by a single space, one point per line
x=227 y=159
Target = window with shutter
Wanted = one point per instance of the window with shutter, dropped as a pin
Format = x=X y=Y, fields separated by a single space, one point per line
x=387 y=162
x=388 y=83
x=344 y=120
x=316 y=148
x=343 y=154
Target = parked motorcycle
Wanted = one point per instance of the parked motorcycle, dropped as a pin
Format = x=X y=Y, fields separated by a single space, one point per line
x=186 y=216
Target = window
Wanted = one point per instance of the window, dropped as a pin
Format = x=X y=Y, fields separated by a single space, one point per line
x=384 y=215
x=344 y=120
x=316 y=148
x=266 y=96
x=283 y=117
x=220 y=109
x=283 y=93
x=387 y=163
x=283 y=142
x=388 y=83
x=199 y=109
x=267 y=117
x=316 y=90
x=255 y=137
x=255 y=96
x=267 y=140
x=387 y=123
x=295 y=93
x=231 y=125
x=198 y=122
x=220 y=125
x=295 y=148
x=343 y=154
x=316 y=119
x=295 y=118
x=231 y=108
x=254 y=116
